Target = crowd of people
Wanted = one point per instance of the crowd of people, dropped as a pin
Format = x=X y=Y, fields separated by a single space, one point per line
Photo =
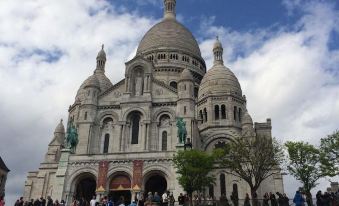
x=39 y=202
x=167 y=199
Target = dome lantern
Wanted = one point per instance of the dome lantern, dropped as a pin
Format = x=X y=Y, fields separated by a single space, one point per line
x=101 y=60
x=218 y=51
x=169 y=10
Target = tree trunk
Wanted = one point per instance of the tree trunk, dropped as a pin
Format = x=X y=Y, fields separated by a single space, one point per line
x=309 y=200
x=254 y=197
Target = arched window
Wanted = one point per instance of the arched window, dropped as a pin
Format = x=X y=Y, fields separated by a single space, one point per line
x=135 y=128
x=164 y=141
x=239 y=114
x=223 y=112
x=235 y=190
x=106 y=143
x=174 y=85
x=205 y=113
x=216 y=112
x=201 y=117
x=222 y=184
x=85 y=117
x=185 y=110
x=235 y=113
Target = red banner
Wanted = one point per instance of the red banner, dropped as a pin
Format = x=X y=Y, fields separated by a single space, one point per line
x=102 y=176
x=137 y=174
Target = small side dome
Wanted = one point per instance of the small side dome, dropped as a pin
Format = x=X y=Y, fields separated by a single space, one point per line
x=186 y=75
x=219 y=80
x=247 y=119
x=60 y=128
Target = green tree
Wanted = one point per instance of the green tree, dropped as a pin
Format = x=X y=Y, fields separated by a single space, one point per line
x=305 y=165
x=253 y=159
x=329 y=148
x=194 y=167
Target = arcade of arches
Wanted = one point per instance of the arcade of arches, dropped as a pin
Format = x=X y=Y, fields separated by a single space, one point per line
x=119 y=185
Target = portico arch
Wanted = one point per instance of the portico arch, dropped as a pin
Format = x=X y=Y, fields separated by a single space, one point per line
x=155 y=181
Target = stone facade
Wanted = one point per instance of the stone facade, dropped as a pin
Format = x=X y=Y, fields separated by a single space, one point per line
x=135 y=119
x=3 y=177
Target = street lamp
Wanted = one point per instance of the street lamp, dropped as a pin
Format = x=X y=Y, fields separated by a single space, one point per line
x=188 y=144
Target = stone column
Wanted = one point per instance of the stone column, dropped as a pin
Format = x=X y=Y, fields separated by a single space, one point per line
x=144 y=129
x=120 y=136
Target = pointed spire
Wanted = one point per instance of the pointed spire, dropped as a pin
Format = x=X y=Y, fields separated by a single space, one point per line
x=169 y=10
x=218 y=51
x=101 y=60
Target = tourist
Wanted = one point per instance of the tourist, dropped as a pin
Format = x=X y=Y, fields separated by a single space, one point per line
x=133 y=203
x=36 y=202
x=141 y=200
x=62 y=203
x=93 y=201
x=42 y=201
x=110 y=202
x=273 y=200
x=164 y=199
x=21 y=201
x=181 y=199
x=247 y=200
x=156 y=198
x=286 y=200
x=16 y=203
x=266 y=199
x=49 y=201
x=280 y=199
x=56 y=203
x=171 y=199
x=31 y=202
x=121 y=201
x=150 y=197
x=298 y=200
x=2 y=201
x=319 y=199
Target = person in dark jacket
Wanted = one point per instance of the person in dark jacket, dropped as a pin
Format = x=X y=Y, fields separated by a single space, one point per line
x=319 y=198
x=298 y=200
x=49 y=201
x=273 y=200
x=247 y=200
x=286 y=200
x=266 y=198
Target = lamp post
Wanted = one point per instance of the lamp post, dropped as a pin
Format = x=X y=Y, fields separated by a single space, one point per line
x=188 y=144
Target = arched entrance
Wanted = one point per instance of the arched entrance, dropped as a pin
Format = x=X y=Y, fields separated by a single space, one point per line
x=156 y=183
x=120 y=186
x=85 y=187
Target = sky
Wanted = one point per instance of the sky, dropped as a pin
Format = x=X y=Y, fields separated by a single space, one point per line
x=284 y=53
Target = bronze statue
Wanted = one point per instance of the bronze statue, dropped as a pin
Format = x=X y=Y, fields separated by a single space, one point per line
x=182 y=132
x=72 y=137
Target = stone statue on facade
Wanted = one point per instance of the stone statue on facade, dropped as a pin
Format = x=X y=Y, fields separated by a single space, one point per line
x=72 y=137
x=182 y=132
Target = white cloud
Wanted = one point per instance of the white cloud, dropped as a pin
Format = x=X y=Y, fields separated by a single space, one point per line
x=47 y=49
x=289 y=74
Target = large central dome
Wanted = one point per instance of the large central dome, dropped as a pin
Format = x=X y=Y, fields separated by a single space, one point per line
x=169 y=34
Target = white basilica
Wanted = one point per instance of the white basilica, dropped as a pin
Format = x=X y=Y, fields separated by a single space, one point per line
x=127 y=131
